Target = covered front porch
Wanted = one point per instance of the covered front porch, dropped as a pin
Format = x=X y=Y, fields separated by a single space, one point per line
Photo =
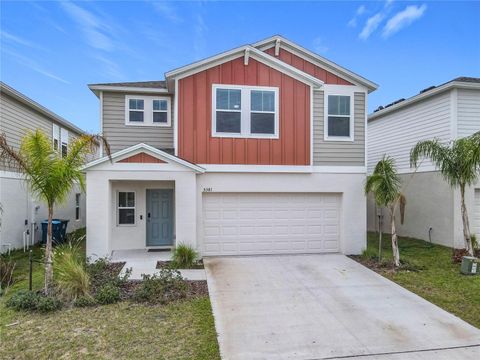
x=142 y=200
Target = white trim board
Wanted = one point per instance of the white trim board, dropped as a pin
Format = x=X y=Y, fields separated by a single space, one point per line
x=283 y=169
x=237 y=53
x=315 y=59
x=136 y=148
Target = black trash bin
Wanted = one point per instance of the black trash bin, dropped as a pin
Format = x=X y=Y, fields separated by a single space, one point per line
x=59 y=230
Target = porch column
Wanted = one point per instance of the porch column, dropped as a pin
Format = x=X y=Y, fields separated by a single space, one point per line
x=185 y=209
x=98 y=214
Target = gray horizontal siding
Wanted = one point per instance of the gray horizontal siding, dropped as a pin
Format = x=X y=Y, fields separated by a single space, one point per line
x=121 y=136
x=338 y=152
x=17 y=119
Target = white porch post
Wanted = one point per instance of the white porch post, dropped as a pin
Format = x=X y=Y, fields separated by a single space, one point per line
x=99 y=201
x=185 y=209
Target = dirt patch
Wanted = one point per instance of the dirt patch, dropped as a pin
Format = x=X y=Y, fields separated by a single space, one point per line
x=169 y=265
x=458 y=254
x=385 y=266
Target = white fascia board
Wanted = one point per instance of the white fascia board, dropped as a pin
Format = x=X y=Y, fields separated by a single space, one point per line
x=137 y=148
x=283 y=169
x=239 y=52
x=423 y=96
x=315 y=59
x=131 y=89
x=37 y=107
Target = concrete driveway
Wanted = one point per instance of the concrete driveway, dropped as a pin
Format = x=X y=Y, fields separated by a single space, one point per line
x=326 y=307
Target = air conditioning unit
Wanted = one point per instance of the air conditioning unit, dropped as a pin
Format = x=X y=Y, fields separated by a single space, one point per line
x=470 y=266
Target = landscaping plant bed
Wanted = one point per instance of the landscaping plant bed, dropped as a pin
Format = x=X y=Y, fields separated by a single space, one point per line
x=385 y=266
x=458 y=254
x=167 y=264
x=195 y=288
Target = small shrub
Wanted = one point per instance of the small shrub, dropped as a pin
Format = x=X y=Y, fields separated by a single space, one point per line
x=107 y=294
x=84 y=301
x=475 y=243
x=23 y=300
x=29 y=300
x=184 y=257
x=71 y=276
x=48 y=304
x=164 y=287
x=103 y=272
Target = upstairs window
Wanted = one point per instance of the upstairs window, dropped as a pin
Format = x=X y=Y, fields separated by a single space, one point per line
x=147 y=111
x=64 y=140
x=338 y=117
x=126 y=208
x=56 y=137
x=244 y=111
x=136 y=110
x=160 y=111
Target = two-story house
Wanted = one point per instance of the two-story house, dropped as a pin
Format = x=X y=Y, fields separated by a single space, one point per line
x=21 y=213
x=258 y=150
x=445 y=112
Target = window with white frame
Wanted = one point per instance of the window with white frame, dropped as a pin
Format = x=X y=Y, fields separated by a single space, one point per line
x=64 y=141
x=136 y=110
x=339 y=117
x=77 y=206
x=160 y=111
x=147 y=110
x=126 y=208
x=245 y=111
x=56 y=136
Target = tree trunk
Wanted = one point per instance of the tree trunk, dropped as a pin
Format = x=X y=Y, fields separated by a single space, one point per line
x=466 y=224
x=380 y=238
x=396 y=253
x=48 y=253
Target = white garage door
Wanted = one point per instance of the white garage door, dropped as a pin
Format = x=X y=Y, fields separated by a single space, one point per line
x=270 y=223
x=476 y=214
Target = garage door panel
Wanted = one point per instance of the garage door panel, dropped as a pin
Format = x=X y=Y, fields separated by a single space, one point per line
x=244 y=223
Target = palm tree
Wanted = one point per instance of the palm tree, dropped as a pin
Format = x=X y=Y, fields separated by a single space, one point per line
x=459 y=164
x=385 y=185
x=49 y=175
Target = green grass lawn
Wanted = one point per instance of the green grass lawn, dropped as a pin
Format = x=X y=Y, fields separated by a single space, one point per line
x=438 y=280
x=126 y=330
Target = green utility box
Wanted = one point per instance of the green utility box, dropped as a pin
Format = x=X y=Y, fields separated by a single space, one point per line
x=470 y=266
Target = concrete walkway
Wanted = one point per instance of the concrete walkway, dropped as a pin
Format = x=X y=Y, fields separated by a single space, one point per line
x=326 y=307
x=143 y=262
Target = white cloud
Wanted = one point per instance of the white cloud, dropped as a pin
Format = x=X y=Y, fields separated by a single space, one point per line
x=95 y=30
x=167 y=10
x=6 y=36
x=371 y=25
x=319 y=45
x=200 y=42
x=109 y=67
x=360 y=11
x=403 y=19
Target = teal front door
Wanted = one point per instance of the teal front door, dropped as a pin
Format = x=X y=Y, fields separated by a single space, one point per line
x=159 y=217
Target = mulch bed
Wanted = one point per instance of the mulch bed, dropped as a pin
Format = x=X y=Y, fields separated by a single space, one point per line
x=167 y=264
x=196 y=288
x=384 y=266
x=459 y=253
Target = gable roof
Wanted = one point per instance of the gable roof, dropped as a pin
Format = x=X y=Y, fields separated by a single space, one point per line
x=315 y=59
x=247 y=51
x=459 y=82
x=6 y=89
x=148 y=148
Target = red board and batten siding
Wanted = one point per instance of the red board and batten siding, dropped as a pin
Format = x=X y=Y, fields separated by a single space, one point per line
x=306 y=66
x=195 y=143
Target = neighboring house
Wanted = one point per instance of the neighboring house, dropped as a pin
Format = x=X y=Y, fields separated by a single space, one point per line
x=22 y=215
x=446 y=112
x=258 y=150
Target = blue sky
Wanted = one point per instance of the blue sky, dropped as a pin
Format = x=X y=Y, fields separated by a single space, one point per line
x=51 y=50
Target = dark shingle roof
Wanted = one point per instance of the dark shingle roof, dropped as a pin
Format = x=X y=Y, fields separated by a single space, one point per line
x=160 y=84
x=466 y=79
